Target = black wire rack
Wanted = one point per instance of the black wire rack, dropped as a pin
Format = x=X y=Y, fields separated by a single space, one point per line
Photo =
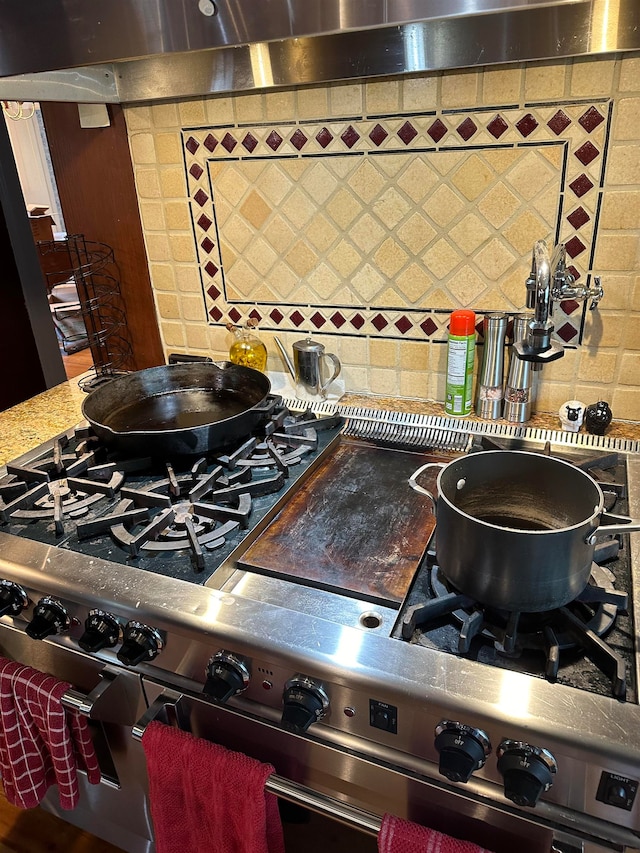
x=83 y=287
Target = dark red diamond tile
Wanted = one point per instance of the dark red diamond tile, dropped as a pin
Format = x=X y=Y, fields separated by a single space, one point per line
x=407 y=132
x=569 y=305
x=558 y=122
x=296 y=318
x=567 y=332
x=229 y=143
x=581 y=185
x=210 y=268
x=298 y=140
x=250 y=142
x=574 y=272
x=378 y=135
x=196 y=170
x=192 y=145
x=429 y=326
x=379 y=322
x=497 y=127
x=235 y=315
x=591 y=119
x=215 y=313
x=276 y=316
x=587 y=153
x=274 y=140
x=466 y=129
x=574 y=247
x=254 y=314
x=207 y=244
x=324 y=137
x=403 y=324
x=437 y=130
x=357 y=321
x=211 y=143
x=527 y=124
x=204 y=222
x=350 y=136
x=201 y=197
x=578 y=217
x=318 y=320
x=338 y=320
x=213 y=291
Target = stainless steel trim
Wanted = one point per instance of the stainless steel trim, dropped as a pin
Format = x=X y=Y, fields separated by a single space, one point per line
x=86 y=704
x=155 y=49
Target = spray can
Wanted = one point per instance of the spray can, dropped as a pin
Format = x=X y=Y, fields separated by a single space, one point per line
x=461 y=351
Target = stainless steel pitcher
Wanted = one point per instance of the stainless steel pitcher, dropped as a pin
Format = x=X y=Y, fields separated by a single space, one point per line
x=314 y=369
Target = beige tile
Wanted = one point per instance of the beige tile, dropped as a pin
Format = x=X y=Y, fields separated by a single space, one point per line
x=187 y=277
x=367 y=282
x=165 y=115
x=629 y=373
x=459 y=89
x=630 y=336
x=383 y=353
x=313 y=102
x=152 y=215
x=415 y=284
x=219 y=110
x=143 y=149
x=473 y=177
x=495 y=259
x=591 y=77
x=172 y=183
x=172 y=334
x=498 y=205
x=321 y=232
x=544 y=81
x=344 y=258
x=192 y=308
x=501 y=85
x=625 y=403
x=177 y=215
x=414 y=385
x=626 y=120
x=163 y=276
x=616 y=252
x=346 y=99
x=280 y=105
x=255 y=209
x=597 y=366
x=524 y=231
x=466 y=286
x=137 y=118
x=168 y=148
x=158 y=247
x=420 y=93
x=324 y=282
x=635 y=294
x=147 y=183
x=384 y=382
x=249 y=108
x=390 y=257
x=470 y=233
x=629 y=80
x=620 y=210
x=192 y=113
x=182 y=248
x=416 y=233
x=383 y=96
x=355 y=379
x=197 y=337
x=168 y=306
x=301 y=258
x=441 y=258
x=623 y=165
x=366 y=181
x=414 y=355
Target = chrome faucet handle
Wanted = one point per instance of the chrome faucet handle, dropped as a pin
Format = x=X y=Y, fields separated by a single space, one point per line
x=570 y=290
x=595 y=293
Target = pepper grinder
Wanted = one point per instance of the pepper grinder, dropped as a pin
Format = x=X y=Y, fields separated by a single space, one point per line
x=491 y=375
x=518 y=396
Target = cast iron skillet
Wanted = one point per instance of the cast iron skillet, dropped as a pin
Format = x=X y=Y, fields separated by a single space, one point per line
x=177 y=409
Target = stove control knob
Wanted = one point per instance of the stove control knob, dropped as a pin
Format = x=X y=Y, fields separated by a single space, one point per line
x=139 y=643
x=304 y=701
x=527 y=771
x=101 y=631
x=462 y=749
x=49 y=617
x=13 y=598
x=227 y=675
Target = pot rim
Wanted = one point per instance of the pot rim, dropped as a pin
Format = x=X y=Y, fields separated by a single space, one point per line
x=593 y=520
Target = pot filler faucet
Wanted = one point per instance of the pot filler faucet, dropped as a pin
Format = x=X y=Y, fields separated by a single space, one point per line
x=550 y=280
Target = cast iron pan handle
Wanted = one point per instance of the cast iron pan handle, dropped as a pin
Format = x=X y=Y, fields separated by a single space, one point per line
x=181 y=357
x=418 y=488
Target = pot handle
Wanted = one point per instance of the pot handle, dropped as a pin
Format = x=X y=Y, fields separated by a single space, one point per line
x=610 y=523
x=417 y=487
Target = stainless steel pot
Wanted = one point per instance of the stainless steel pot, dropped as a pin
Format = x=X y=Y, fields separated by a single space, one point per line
x=517 y=530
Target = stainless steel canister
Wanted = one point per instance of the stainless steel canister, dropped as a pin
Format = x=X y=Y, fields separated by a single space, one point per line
x=519 y=393
x=490 y=389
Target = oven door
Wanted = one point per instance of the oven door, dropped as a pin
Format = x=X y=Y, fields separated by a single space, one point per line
x=333 y=780
x=112 y=700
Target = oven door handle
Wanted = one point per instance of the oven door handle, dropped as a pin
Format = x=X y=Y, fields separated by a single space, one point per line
x=165 y=708
x=87 y=704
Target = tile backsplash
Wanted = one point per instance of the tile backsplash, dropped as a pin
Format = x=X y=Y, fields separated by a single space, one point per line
x=363 y=213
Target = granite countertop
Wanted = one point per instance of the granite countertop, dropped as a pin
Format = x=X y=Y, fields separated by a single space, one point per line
x=25 y=426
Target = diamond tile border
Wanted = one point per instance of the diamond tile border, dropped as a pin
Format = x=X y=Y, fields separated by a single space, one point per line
x=581 y=128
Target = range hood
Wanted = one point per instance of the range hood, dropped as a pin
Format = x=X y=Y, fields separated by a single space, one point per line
x=128 y=51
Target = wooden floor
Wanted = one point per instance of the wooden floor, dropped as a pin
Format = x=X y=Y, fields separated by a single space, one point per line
x=77 y=362
x=37 y=831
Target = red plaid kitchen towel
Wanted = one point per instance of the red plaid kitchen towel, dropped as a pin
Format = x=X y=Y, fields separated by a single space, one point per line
x=41 y=742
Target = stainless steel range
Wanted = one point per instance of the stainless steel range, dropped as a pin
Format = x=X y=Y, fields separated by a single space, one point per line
x=280 y=598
